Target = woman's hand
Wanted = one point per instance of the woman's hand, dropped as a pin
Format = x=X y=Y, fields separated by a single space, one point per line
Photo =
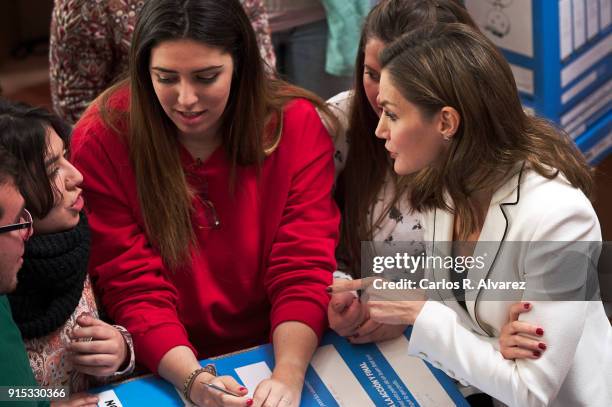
x=392 y=308
x=294 y=344
x=395 y=312
x=77 y=400
x=277 y=393
x=178 y=365
x=205 y=396
x=345 y=313
x=517 y=339
x=283 y=389
x=372 y=331
x=99 y=348
x=350 y=318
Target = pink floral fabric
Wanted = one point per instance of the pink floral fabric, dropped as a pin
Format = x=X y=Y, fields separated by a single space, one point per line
x=89 y=45
x=49 y=357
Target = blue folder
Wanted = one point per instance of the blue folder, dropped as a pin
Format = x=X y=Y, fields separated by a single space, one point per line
x=383 y=385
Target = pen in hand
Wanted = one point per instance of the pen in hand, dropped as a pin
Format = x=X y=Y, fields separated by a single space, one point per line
x=213 y=386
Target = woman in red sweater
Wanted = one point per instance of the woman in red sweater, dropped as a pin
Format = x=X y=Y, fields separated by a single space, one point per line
x=209 y=193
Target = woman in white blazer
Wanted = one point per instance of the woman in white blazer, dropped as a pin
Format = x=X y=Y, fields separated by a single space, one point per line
x=484 y=172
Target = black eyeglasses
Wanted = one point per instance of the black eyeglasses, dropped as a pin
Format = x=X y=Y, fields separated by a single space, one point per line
x=200 y=186
x=24 y=225
x=210 y=213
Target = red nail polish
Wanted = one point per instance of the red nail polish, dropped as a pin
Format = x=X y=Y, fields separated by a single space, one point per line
x=242 y=389
x=526 y=305
x=542 y=346
x=536 y=354
x=540 y=331
x=249 y=402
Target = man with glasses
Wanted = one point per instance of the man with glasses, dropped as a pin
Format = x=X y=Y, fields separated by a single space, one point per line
x=15 y=224
x=15 y=229
x=12 y=237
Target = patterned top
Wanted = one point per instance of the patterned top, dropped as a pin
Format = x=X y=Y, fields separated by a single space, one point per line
x=50 y=361
x=90 y=42
x=400 y=225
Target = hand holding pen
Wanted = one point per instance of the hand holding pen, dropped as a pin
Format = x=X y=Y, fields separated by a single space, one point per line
x=221 y=391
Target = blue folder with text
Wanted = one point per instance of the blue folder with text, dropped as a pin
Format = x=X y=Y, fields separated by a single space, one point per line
x=340 y=374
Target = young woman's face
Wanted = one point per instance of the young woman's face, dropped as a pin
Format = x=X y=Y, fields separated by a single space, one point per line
x=66 y=180
x=413 y=141
x=192 y=82
x=371 y=71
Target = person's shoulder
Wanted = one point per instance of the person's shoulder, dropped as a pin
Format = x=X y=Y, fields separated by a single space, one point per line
x=107 y=132
x=341 y=102
x=299 y=115
x=546 y=193
x=554 y=203
x=302 y=128
x=298 y=107
x=5 y=308
x=339 y=105
x=93 y=121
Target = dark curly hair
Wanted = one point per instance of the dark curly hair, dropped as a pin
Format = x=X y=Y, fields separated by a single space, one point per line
x=23 y=133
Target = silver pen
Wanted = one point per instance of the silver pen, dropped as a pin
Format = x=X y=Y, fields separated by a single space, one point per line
x=213 y=386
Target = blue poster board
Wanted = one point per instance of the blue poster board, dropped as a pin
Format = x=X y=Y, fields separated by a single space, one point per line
x=560 y=52
x=372 y=375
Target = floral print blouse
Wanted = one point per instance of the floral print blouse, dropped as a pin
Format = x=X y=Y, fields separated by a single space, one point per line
x=89 y=45
x=401 y=227
x=50 y=360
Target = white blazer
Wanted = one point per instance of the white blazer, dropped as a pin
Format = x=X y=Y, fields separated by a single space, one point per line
x=576 y=367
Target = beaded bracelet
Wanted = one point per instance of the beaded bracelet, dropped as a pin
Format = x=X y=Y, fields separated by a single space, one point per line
x=130 y=344
x=188 y=384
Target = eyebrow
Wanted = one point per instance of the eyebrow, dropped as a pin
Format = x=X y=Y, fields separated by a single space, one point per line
x=208 y=68
x=385 y=103
x=55 y=158
x=52 y=160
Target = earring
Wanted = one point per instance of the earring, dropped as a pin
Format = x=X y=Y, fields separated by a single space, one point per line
x=446 y=137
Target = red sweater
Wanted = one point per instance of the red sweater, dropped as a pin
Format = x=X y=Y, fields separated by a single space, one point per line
x=269 y=262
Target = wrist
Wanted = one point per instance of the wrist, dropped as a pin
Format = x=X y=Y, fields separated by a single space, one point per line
x=205 y=374
x=129 y=361
x=126 y=353
x=197 y=389
x=414 y=314
x=205 y=377
x=292 y=366
x=290 y=374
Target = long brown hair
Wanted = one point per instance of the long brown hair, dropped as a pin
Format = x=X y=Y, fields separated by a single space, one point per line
x=454 y=65
x=367 y=162
x=255 y=99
